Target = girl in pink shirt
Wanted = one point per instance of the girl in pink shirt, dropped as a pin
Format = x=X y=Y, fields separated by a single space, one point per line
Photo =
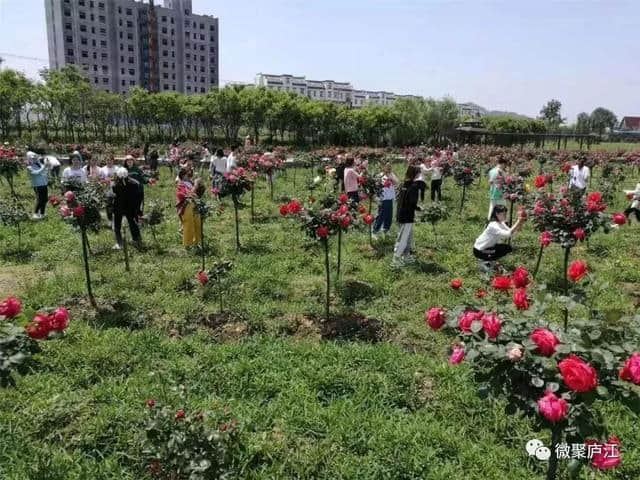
x=351 y=181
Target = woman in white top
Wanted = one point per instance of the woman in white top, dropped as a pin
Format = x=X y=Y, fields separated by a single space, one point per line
x=109 y=170
x=635 y=202
x=488 y=247
x=74 y=173
x=579 y=176
x=422 y=170
x=436 y=178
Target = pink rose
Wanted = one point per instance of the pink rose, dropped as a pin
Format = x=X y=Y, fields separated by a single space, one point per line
x=457 y=355
x=553 y=408
x=577 y=374
x=605 y=456
x=59 y=319
x=492 y=325
x=545 y=340
x=435 y=317
x=520 y=277
x=630 y=372
x=520 y=299
x=545 y=239
x=10 y=307
x=467 y=318
x=515 y=353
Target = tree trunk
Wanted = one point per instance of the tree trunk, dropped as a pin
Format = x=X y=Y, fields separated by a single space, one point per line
x=535 y=271
x=339 y=253
x=85 y=259
x=567 y=250
x=556 y=436
x=464 y=193
x=325 y=242
x=235 y=211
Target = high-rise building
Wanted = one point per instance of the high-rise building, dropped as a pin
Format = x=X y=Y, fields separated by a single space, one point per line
x=125 y=43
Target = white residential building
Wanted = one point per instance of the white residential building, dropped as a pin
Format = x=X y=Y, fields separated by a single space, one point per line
x=327 y=90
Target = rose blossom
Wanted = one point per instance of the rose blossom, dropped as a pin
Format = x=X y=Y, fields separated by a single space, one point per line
x=456 y=283
x=179 y=414
x=343 y=198
x=577 y=374
x=69 y=196
x=619 y=218
x=65 y=211
x=435 y=317
x=520 y=299
x=59 y=319
x=457 y=355
x=10 y=307
x=545 y=340
x=481 y=293
x=520 y=277
x=501 y=283
x=492 y=325
x=630 y=372
x=553 y=408
x=368 y=219
x=540 y=181
x=322 y=231
x=78 y=211
x=545 y=239
x=515 y=353
x=203 y=278
x=577 y=270
x=467 y=318
x=606 y=456
x=284 y=210
x=579 y=234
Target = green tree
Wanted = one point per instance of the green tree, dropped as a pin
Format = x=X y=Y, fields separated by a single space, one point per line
x=15 y=92
x=583 y=123
x=601 y=119
x=550 y=114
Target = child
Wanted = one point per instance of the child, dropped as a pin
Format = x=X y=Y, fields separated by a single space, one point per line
x=488 y=247
x=351 y=181
x=385 y=209
x=39 y=181
x=407 y=206
x=635 y=202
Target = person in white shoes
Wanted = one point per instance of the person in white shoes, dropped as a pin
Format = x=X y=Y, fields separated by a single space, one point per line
x=39 y=181
x=579 y=176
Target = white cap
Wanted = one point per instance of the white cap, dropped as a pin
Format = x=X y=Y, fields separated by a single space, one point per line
x=122 y=172
x=31 y=156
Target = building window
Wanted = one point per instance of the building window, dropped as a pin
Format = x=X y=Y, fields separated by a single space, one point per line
x=188 y=88
x=166 y=87
x=103 y=43
x=81 y=3
x=165 y=53
x=132 y=71
x=129 y=24
x=120 y=22
x=201 y=79
x=102 y=19
x=171 y=20
x=212 y=38
x=165 y=64
x=121 y=59
x=186 y=11
x=105 y=80
x=101 y=5
x=123 y=83
x=188 y=78
x=164 y=19
x=95 y=80
x=128 y=11
x=173 y=32
x=164 y=41
x=85 y=54
x=130 y=59
x=104 y=56
x=95 y=55
x=132 y=82
x=130 y=36
x=201 y=37
x=202 y=58
x=202 y=26
x=164 y=30
x=103 y=31
x=70 y=52
x=165 y=75
x=82 y=15
x=130 y=48
x=122 y=71
x=173 y=87
x=69 y=38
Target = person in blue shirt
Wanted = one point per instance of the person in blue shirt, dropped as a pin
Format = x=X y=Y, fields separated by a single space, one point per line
x=39 y=180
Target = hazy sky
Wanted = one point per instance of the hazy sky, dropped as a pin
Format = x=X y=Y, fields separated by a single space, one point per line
x=505 y=55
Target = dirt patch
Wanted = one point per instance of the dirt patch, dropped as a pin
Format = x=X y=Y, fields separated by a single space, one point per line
x=424 y=391
x=351 y=327
x=12 y=279
x=227 y=325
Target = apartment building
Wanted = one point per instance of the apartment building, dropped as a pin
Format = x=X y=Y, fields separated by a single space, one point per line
x=327 y=90
x=121 y=44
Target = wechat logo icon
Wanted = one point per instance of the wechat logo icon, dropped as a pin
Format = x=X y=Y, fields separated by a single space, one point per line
x=535 y=448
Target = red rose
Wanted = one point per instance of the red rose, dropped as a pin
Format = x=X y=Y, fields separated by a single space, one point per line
x=501 y=283
x=540 y=181
x=203 y=278
x=520 y=277
x=284 y=210
x=54 y=201
x=619 y=218
x=179 y=414
x=605 y=456
x=10 y=307
x=343 y=198
x=435 y=317
x=520 y=299
x=545 y=340
x=579 y=234
x=545 y=239
x=362 y=209
x=577 y=374
x=294 y=207
x=40 y=327
x=362 y=180
x=69 y=196
x=481 y=293
x=467 y=170
x=630 y=372
x=368 y=219
x=577 y=270
x=151 y=403
x=467 y=318
x=595 y=197
x=59 y=319
x=78 y=211
x=346 y=221
x=65 y=211
x=491 y=324
x=322 y=232
x=553 y=408
x=456 y=283
x=343 y=210
x=457 y=355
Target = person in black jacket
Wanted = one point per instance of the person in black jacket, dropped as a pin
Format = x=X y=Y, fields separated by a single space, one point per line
x=125 y=204
x=407 y=206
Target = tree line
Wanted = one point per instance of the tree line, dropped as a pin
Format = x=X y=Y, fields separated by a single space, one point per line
x=65 y=107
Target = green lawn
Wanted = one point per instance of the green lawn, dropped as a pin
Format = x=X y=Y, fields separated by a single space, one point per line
x=309 y=406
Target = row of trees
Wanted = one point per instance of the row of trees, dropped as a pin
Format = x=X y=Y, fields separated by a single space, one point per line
x=598 y=122
x=65 y=107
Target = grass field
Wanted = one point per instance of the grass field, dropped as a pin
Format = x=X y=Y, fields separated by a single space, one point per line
x=309 y=405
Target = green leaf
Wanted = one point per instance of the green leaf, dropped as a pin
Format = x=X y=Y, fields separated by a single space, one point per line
x=537 y=382
x=602 y=391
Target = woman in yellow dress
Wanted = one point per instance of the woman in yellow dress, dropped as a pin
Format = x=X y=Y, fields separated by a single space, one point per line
x=187 y=193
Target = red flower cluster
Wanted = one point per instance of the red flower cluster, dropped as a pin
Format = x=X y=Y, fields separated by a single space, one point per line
x=619 y=218
x=501 y=283
x=545 y=239
x=595 y=203
x=44 y=324
x=10 y=307
x=540 y=181
x=630 y=372
x=294 y=207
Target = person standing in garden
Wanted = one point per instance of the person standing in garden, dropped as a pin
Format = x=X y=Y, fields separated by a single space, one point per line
x=385 y=209
x=579 y=176
x=351 y=180
x=488 y=247
x=435 y=169
x=422 y=170
x=75 y=172
x=340 y=173
x=53 y=164
x=407 y=206
x=39 y=180
x=635 y=202
x=191 y=221
x=92 y=169
x=125 y=204
x=205 y=162
x=108 y=171
x=232 y=159
x=496 y=176
x=136 y=174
